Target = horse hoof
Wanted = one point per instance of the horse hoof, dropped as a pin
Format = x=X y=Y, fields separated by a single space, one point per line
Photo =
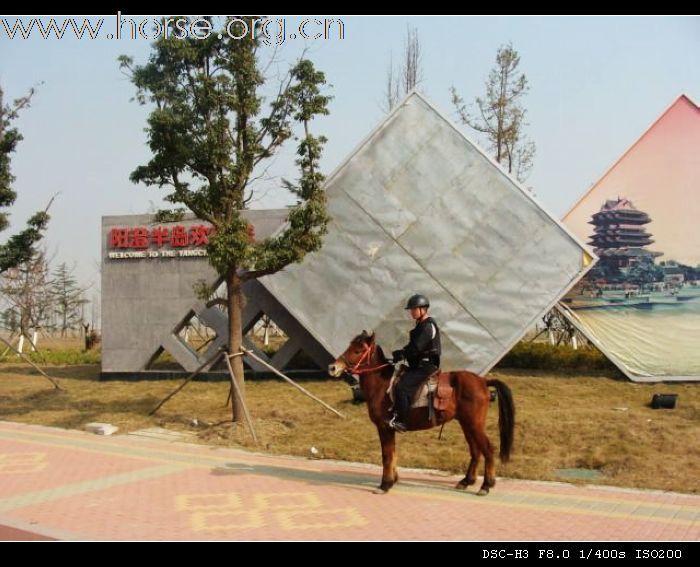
x=482 y=492
x=379 y=490
x=461 y=485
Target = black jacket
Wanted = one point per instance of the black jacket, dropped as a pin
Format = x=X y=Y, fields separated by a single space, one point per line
x=423 y=348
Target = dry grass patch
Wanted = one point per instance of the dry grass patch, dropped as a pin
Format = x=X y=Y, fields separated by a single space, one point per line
x=562 y=421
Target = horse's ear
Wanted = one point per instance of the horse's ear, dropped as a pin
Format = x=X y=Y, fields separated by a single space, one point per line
x=364 y=334
x=371 y=337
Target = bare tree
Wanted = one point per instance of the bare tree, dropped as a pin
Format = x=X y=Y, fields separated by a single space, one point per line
x=26 y=290
x=501 y=116
x=412 y=72
x=401 y=81
x=392 y=93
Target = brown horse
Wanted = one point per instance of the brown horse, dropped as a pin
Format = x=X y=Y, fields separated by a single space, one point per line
x=468 y=404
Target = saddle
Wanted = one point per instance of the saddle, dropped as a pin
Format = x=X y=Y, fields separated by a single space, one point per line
x=435 y=392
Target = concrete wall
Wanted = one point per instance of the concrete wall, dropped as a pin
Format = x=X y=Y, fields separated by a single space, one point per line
x=145 y=302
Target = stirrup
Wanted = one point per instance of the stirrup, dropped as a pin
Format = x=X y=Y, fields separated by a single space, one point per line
x=396 y=425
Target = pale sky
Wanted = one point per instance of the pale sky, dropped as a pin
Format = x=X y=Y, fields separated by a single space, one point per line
x=595 y=85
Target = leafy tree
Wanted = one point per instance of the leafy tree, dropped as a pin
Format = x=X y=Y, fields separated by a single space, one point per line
x=501 y=116
x=68 y=299
x=689 y=273
x=19 y=247
x=211 y=133
x=642 y=273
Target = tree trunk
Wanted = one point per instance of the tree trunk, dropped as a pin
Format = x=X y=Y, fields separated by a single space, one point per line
x=235 y=340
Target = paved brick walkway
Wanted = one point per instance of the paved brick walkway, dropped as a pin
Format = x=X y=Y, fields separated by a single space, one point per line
x=59 y=484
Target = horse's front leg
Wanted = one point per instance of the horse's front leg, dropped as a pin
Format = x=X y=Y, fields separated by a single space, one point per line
x=387 y=438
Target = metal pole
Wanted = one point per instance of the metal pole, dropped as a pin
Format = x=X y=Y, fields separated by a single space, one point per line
x=181 y=386
x=261 y=361
x=26 y=358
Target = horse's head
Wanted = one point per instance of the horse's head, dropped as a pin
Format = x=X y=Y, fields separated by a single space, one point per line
x=358 y=354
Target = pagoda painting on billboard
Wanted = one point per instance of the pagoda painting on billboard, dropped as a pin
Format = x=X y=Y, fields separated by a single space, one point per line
x=641 y=302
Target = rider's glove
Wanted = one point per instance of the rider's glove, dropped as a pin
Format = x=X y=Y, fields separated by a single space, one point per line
x=398 y=355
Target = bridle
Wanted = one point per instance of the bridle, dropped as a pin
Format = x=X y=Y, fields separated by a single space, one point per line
x=358 y=368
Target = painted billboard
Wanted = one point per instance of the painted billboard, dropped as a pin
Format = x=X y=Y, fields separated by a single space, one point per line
x=640 y=304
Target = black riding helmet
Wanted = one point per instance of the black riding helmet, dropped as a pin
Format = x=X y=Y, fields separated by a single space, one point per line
x=416 y=301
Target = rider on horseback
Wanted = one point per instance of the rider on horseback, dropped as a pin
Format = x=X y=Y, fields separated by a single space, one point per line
x=423 y=356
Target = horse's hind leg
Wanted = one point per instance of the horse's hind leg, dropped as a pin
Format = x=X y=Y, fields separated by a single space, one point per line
x=489 y=465
x=479 y=444
x=474 y=453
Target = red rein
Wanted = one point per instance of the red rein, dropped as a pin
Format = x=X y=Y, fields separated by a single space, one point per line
x=367 y=354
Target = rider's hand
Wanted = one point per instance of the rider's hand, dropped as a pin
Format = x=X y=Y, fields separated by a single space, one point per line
x=398 y=355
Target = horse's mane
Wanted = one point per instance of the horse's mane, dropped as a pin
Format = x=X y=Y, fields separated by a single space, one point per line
x=362 y=337
x=380 y=353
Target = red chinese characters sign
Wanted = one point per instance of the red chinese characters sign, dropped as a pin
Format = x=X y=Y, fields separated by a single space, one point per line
x=158 y=242
x=142 y=238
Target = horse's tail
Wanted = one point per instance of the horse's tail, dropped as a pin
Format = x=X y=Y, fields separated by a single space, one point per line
x=506 y=417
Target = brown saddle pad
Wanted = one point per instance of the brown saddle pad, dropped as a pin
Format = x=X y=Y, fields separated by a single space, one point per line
x=443 y=392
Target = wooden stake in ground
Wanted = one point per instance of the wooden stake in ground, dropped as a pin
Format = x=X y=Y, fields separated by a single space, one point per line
x=211 y=361
x=27 y=359
x=305 y=391
x=248 y=420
